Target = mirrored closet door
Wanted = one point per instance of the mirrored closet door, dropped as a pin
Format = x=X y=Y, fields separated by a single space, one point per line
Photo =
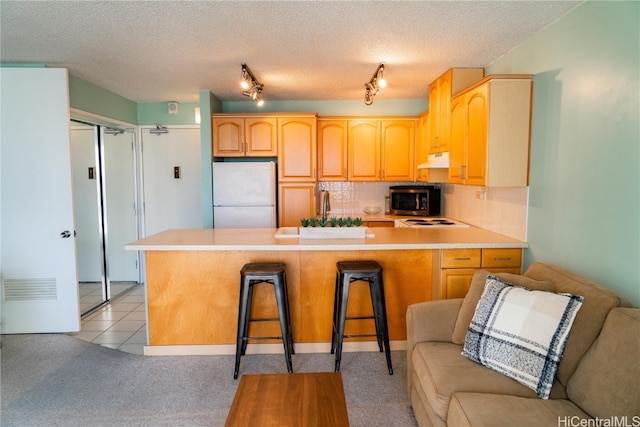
x=103 y=163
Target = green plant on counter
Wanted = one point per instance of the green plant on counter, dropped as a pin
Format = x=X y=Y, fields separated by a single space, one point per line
x=332 y=222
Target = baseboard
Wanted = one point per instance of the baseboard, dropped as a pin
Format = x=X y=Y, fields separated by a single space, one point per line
x=230 y=349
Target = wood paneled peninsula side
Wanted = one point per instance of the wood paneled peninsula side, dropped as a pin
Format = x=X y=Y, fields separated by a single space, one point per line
x=193 y=276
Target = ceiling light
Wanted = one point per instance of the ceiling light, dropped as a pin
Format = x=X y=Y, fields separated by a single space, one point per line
x=252 y=87
x=373 y=86
x=380 y=77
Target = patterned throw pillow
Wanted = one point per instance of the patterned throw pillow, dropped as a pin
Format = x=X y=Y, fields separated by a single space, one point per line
x=521 y=333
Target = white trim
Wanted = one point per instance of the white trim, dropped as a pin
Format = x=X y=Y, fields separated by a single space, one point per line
x=230 y=349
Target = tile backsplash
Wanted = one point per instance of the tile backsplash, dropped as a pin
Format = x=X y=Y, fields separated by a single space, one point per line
x=349 y=198
x=502 y=210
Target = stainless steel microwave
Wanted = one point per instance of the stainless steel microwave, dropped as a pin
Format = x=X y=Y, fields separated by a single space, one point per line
x=422 y=200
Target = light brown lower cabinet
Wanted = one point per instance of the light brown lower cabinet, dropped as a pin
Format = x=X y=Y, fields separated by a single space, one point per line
x=457 y=267
x=296 y=200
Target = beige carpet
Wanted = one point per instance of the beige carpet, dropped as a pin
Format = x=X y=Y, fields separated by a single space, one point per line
x=59 y=380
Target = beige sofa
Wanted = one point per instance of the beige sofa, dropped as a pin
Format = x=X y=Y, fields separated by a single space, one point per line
x=598 y=376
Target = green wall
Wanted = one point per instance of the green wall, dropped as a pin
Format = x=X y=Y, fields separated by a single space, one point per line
x=584 y=201
x=151 y=113
x=88 y=97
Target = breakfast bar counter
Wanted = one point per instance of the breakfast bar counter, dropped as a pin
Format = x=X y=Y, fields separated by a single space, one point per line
x=193 y=278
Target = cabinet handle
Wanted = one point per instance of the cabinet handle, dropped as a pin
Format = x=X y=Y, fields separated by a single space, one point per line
x=462 y=258
x=503 y=258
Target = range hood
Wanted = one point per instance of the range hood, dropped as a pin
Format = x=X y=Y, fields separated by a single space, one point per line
x=436 y=161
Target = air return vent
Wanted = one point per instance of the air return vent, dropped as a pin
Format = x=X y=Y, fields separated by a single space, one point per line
x=29 y=290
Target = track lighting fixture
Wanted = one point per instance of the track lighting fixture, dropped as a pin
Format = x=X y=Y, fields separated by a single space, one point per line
x=250 y=85
x=373 y=86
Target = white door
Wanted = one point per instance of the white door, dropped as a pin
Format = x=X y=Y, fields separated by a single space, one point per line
x=38 y=255
x=172 y=198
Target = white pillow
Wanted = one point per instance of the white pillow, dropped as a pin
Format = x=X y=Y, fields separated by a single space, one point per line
x=521 y=333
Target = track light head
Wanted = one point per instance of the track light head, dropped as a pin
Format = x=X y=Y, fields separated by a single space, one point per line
x=250 y=85
x=373 y=86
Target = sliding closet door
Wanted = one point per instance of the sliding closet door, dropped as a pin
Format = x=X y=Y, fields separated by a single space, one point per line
x=86 y=197
x=103 y=165
x=120 y=207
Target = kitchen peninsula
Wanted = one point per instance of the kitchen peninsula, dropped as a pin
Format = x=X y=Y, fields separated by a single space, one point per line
x=192 y=282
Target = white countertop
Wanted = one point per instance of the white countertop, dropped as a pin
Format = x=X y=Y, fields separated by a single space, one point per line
x=262 y=239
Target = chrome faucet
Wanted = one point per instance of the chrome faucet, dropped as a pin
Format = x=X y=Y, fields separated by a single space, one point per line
x=326 y=205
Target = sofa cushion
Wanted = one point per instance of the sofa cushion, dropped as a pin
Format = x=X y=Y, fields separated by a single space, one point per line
x=598 y=301
x=521 y=333
x=605 y=383
x=475 y=292
x=489 y=410
x=442 y=371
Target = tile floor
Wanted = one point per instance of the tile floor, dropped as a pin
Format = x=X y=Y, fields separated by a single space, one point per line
x=120 y=324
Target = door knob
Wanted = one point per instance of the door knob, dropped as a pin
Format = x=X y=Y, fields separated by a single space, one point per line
x=65 y=234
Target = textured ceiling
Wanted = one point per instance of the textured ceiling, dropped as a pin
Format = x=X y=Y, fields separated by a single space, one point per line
x=156 y=51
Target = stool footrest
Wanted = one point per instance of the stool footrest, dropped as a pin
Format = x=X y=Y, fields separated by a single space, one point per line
x=261 y=338
x=360 y=335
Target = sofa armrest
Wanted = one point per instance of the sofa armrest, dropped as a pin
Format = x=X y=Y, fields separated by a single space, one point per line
x=431 y=321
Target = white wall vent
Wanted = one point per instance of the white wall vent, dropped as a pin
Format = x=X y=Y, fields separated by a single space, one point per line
x=29 y=290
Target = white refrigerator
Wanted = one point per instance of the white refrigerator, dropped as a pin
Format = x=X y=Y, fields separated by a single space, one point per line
x=244 y=195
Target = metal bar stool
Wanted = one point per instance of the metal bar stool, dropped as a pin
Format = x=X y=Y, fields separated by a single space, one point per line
x=347 y=273
x=251 y=275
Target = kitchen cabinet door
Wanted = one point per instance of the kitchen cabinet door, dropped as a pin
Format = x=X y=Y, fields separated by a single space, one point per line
x=244 y=136
x=261 y=137
x=457 y=151
x=228 y=136
x=476 y=147
x=422 y=146
x=296 y=200
x=364 y=150
x=332 y=150
x=398 y=150
x=297 y=148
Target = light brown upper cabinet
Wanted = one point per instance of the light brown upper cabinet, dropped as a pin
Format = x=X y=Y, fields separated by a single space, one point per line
x=490 y=132
x=440 y=92
x=364 y=150
x=381 y=150
x=398 y=150
x=422 y=145
x=297 y=148
x=332 y=150
x=244 y=136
